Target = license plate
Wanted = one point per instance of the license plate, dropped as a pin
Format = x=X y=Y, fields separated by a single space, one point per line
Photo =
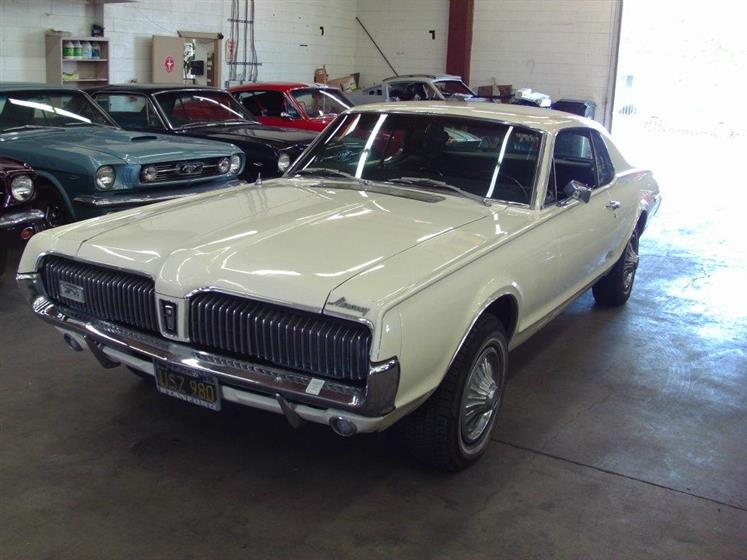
x=193 y=386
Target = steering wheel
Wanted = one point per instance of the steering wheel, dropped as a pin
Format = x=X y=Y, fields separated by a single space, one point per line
x=524 y=190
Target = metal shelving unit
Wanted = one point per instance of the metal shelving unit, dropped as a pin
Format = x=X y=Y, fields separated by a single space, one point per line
x=76 y=71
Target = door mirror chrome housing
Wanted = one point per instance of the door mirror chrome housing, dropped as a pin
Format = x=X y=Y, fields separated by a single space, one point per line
x=285 y=115
x=576 y=190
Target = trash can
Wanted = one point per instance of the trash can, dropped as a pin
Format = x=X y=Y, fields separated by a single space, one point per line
x=585 y=108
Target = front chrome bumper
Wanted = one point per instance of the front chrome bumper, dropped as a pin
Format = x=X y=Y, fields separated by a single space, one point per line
x=251 y=384
x=21 y=218
x=113 y=199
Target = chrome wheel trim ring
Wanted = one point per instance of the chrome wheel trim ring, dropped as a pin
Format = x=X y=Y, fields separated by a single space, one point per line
x=482 y=394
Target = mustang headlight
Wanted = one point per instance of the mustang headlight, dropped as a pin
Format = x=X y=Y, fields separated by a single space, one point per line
x=105 y=177
x=284 y=162
x=149 y=173
x=235 y=163
x=22 y=188
x=224 y=165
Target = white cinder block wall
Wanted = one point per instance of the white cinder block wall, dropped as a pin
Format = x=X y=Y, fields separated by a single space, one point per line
x=559 y=47
x=401 y=29
x=288 y=40
x=23 y=24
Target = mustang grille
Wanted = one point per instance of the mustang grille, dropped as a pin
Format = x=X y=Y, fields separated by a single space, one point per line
x=176 y=170
x=107 y=294
x=286 y=337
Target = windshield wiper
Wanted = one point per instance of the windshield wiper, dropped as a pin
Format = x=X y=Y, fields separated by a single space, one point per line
x=322 y=171
x=434 y=183
x=81 y=123
x=26 y=127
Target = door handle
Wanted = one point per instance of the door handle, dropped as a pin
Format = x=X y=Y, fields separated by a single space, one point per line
x=612 y=205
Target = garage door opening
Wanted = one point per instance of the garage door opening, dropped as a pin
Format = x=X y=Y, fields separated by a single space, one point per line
x=679 y=110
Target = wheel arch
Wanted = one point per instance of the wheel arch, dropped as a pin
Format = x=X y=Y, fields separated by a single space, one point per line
x=46 y=179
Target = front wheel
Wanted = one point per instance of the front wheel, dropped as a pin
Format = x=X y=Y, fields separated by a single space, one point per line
x=451 y=430
x=53 y=205
x=614 y=289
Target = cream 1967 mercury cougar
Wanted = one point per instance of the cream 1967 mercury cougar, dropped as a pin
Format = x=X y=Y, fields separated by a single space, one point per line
x=384 y=278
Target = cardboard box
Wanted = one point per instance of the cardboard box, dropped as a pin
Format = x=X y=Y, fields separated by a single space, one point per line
x=320 y=75
x=347 y=83
x=495 y=90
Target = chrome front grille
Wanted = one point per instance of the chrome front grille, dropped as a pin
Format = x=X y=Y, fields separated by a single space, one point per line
x=104 y=293
x=179 y=170
x=281 y=336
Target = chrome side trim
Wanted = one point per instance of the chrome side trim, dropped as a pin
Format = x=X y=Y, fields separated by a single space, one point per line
x=115 y=200
x=376 y=398
x=20 y=218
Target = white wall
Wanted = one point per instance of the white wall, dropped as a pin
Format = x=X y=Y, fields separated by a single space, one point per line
x=287 y=36
x=400 y=27
x=560 y=47
x=130 y=28
x=23 y=24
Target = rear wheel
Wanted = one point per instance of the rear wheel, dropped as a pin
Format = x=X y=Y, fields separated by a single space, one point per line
x=615 y=288
x=451 y=430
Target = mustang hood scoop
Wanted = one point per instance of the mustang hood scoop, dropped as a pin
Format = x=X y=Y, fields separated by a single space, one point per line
x=282 y=242
x=143 y=138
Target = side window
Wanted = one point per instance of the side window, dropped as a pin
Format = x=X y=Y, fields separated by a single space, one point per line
x=133 y=112
x=573 y=160
x=605 y=169
x=411 y=91
x=266 y=103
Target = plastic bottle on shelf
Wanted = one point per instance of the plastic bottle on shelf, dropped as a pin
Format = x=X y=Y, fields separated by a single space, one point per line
x=68 y=50
x=87 y=51
x=77 y=49
x=95 y=49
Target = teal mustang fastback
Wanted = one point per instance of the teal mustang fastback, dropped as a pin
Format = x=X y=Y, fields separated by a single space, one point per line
x=87 y=166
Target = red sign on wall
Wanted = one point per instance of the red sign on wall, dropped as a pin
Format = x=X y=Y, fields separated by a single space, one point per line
x=169 y=64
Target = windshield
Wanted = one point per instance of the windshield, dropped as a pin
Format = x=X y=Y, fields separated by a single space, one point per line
x=318 y=102
x=484 y=158
x=453 y=87
x=34 y=109
x=184 y=108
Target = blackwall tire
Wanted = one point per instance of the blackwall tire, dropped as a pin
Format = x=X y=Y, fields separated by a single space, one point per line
x=451 y=430
x=614 y=289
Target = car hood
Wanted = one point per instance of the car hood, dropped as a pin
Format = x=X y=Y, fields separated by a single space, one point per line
x=130 y=147
x=275 y=136
x=290 y=241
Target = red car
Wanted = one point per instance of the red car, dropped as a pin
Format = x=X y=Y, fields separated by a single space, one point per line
x=295 y=105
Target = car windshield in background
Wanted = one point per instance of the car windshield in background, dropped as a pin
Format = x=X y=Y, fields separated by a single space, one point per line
x=320 y=102
x=32 y=109
x=186 y=108
x=484 y=158
x=453 y=87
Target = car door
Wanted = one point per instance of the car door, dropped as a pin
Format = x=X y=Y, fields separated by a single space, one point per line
x=583 y=232
x=131 y=111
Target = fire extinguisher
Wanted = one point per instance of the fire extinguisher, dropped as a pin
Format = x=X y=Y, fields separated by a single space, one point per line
x=231 y=50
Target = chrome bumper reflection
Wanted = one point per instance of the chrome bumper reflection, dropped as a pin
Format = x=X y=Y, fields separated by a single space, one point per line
x=374 y=399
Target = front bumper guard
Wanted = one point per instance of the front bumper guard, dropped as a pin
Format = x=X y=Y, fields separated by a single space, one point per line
x=374 y=400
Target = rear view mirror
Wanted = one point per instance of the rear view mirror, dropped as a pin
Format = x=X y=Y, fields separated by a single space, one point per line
x=577 y=191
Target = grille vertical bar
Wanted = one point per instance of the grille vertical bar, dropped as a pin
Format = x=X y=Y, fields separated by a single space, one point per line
x=286 y=337
x=111 y=295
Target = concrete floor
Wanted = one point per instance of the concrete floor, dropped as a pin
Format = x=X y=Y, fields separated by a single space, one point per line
x=624 y=435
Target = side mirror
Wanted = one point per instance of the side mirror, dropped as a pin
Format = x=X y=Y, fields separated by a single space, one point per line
x=578 y=191
x=285 y=115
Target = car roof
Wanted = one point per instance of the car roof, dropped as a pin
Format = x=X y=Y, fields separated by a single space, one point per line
x=30 y=86
x=279 y=86
x=545 y=120
x=151 y=88
x=423 y=77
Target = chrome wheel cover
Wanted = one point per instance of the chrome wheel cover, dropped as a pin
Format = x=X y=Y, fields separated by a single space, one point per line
x=630 y=262
x=482 y=394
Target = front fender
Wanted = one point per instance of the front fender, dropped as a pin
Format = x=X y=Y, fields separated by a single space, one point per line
x=55 y=183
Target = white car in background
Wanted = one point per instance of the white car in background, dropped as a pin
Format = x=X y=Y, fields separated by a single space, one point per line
x=383 y=279
x=416 y=87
